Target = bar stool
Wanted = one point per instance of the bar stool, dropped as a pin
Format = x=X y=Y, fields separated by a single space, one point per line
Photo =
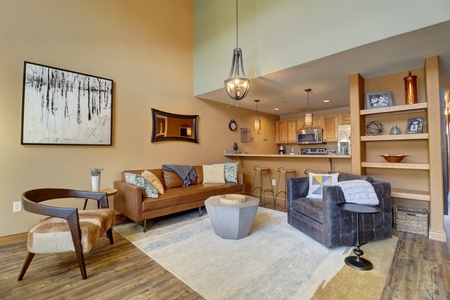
x=262 y=191
x=286 y=172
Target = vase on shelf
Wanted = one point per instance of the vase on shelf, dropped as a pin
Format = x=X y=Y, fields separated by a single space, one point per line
x=410 y=88
x=235 y=147
x=395 y=130
x=95 y=183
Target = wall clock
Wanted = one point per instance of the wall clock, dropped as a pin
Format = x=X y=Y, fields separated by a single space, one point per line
x=232 y=125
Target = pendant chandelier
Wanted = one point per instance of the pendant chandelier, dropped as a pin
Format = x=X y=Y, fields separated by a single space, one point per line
x=308 y=115
x=237 y=84
x=257 y=121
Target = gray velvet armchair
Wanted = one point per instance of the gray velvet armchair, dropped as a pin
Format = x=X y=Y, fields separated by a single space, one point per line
x=322 y=220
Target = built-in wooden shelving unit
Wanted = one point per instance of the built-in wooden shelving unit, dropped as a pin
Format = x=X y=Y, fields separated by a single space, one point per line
x=402 y=175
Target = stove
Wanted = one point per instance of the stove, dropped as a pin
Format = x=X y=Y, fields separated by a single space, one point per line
x=313 y=151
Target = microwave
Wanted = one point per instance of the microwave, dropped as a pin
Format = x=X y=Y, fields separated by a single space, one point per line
x=310 y=136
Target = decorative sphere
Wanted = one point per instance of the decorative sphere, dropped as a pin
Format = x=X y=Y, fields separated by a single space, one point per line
x=374 y=128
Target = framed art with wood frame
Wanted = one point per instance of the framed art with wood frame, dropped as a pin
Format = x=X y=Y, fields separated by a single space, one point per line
x=414 y=125
x=378 y=99
x=62 y=107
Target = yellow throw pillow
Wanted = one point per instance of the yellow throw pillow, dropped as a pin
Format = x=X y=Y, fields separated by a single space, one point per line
x=154 y=181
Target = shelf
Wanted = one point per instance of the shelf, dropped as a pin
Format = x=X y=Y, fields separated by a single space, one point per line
x=386 y=165
x=410 y=194
x=398 y=137
x=391 y=109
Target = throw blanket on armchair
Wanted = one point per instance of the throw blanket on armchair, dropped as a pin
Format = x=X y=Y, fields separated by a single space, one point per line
x=358 y=191
x=187 y=173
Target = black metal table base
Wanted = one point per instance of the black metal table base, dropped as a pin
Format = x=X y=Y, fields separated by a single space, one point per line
x=358 y=263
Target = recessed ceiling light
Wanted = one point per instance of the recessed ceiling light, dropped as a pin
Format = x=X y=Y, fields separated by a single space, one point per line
x=327 y=100
x=276 y=108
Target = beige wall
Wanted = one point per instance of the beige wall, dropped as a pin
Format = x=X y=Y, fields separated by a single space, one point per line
x=147 y=48
x=297 y=32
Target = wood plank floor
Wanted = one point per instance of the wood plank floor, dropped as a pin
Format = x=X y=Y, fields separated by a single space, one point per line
x=421 y=270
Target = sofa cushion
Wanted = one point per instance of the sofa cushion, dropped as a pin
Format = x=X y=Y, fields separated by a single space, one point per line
x=199 y=192
x=318 y=181
x=213 y=174
x=172 y=197
x=199 y=171
x=154 y=181
x=148 y=190
x=312 y=208
x=172 y=180
x=228 y=188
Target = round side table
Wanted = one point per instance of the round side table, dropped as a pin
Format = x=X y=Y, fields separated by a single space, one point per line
x=357 y=262
x=109 y=192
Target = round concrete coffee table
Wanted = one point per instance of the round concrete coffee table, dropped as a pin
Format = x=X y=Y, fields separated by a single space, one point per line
x=232 y=219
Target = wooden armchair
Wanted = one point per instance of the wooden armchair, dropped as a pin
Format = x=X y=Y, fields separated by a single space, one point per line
x=66 y=229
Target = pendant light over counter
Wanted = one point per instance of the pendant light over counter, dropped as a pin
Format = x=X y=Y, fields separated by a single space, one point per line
x=257 y=121
x=308 y=115
x=237 y=84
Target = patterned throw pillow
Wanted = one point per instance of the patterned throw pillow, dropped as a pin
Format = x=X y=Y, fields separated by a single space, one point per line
x=231 y=171
x=318 y=181
x=148 y=190
x=213 y=174
x=153 y=181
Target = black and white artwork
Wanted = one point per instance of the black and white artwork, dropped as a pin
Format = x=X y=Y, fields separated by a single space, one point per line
x=62 y=107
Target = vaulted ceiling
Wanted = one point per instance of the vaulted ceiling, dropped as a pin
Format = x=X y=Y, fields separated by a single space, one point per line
x=328 y=77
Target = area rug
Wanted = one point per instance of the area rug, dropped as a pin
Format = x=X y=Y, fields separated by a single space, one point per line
x=276 y=261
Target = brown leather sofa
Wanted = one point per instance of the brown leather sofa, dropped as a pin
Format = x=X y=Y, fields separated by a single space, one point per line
x=176 y=198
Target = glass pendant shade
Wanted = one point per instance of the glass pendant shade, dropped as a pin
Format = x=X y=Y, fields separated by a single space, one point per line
x=308 y=119
x=237 y=84
x=257 y=124
x=257 y=121
x=308 y=115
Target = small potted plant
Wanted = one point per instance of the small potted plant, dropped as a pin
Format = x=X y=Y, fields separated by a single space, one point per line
x=95 y=175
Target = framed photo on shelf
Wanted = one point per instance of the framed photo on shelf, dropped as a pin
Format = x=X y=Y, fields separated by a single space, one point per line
x=62 y=107
x=378 y=99
x=414 y=125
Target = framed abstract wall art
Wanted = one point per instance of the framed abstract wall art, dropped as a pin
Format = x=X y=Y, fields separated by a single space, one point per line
x=62 y=107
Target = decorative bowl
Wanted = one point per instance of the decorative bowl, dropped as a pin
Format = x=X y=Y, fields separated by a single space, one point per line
x=232 y=198
x=393 y=158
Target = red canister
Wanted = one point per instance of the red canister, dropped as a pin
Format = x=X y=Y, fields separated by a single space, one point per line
x=410 y=88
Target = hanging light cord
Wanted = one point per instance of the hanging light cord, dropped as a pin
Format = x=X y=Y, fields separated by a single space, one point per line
x=308 y=100
x=307 y=97
x=237 y=24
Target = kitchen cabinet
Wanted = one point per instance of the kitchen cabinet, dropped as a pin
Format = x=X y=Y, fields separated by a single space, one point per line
x=418 y=178
x=330 y=128
x=344 y=119
x=286 y=132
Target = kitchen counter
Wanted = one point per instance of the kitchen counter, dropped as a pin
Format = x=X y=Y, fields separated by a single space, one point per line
x=290 y=159
x=288 y=155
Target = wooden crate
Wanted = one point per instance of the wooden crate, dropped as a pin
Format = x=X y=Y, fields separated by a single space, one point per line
x=413 y=220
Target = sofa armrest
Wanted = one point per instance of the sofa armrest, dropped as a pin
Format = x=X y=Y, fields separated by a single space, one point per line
x=297 y=187
x=128 y=200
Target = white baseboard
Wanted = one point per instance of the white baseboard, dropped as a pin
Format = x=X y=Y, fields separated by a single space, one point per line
x=438 y=236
